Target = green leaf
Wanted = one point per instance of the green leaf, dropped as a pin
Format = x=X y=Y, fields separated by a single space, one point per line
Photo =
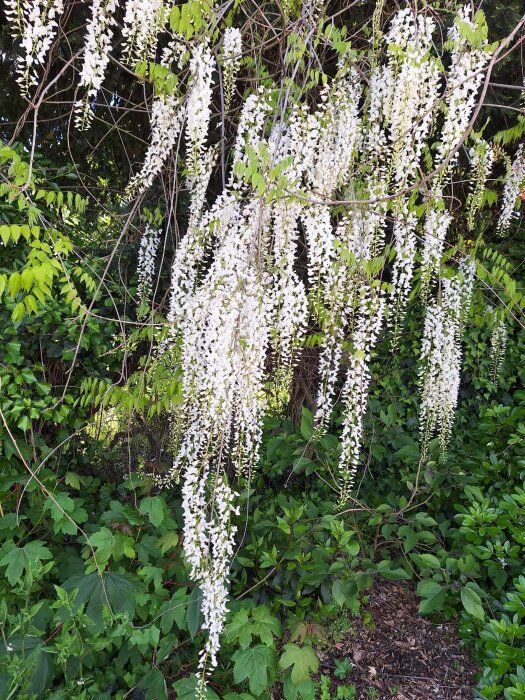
x=473 y=493
x=472 y=603
x=24 y=423
x=302 y=660
x=429 y=561
x=409 y=536
x=255 y=665
x=73 y=480
x=186 y=689
x=304 y=690
x=262 y=624
x=154 y=684
x=103 y=542
x=428 y=587
x=384 y=569
x=240 y=629
x=174 y=19
x=64 y=510
x=58 y=505
x=433 y=596
x=5 y=233
x=433 y=603
x=31 y=648
x=194 y=614
x=174 y=610
x=97 y=592
x=265 y=625
x=306 y=424
x=153 y=507
x=20 y=559
x=411 y=451
x=340 y=592
x=168 y=541
x=362 y=580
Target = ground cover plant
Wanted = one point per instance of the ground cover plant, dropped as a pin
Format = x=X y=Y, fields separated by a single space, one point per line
x=261 y=370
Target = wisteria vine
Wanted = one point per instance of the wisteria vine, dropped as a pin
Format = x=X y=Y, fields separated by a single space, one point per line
x=237 y=296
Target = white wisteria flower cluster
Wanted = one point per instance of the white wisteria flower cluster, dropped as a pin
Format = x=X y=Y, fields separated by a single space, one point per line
x=435 y=229
x=167 y=120
x=198 y=108
x=482 y=161
x=149 y=244
x=408 y=113
x=35 y=23
x=236 y=295
x=514 y=183
x=231 y=56
x=469 y=58
x=169 y=113
x=143 y=22
x=465 y=77
x=441 y=354
x=498 y=345
x=99 y=36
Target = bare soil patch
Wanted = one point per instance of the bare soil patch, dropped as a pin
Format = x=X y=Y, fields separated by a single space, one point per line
x=397 y=654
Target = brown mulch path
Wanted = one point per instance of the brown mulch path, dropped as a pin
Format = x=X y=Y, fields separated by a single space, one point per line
x=402 y=655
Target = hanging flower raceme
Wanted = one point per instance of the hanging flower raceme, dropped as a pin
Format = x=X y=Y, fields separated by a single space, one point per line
x=149 y=244
x=369 y=317
x=354 y=236
x=411 y=100
x=35 y=23
x=437 y=222
x=224 y=346
x=96 y=56
x=380 y=95
x=464 y=79
x=230 y=61
x=482 y=159
x=339 y=129
x=173 y=54
x=415 y=76
x=192 y=250
x=404 y=242
x=217 y=306
x=333 y=138
x=144 y=20
x=203 y=225
x=441 y=355
x=291 y=306
x=223 y=317
x=292 y=150
x=374 y=149
x=498 y=345
x=167 y=118
x=469 y=58
x=198 y=110
x=513 y=187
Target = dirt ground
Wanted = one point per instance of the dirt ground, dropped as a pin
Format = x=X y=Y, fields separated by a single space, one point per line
x=396 y=654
